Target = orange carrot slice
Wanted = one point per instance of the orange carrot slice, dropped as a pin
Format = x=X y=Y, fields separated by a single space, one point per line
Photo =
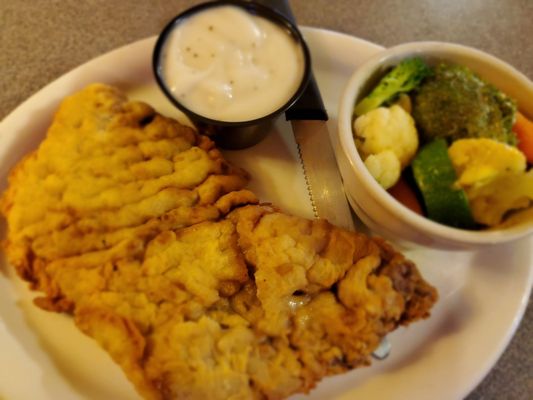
x=523 y=128
x=405 y=194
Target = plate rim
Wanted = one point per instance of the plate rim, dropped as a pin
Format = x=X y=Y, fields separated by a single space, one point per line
x=14 y=116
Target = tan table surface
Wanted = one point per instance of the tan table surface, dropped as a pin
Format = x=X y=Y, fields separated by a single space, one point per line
x=42 y=39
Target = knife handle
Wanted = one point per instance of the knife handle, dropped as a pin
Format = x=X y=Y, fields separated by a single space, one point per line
x=309 y=105
x=281 y=6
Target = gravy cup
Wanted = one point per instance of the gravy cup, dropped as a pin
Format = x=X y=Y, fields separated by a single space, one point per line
x=241 y=133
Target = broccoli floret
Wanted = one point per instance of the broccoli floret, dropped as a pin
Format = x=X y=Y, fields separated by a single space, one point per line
x=455 y=103
x=403 y=78
x=507 y=108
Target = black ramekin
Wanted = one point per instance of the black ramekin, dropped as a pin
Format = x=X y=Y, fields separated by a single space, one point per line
x=241 y=134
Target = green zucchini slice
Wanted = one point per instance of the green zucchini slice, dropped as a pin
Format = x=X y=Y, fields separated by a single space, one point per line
x=434 y=175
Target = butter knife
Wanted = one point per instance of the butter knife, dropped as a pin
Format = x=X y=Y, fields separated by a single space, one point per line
x=308 y=119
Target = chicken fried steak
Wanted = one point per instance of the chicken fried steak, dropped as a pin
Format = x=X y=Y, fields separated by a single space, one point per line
x=139 y=228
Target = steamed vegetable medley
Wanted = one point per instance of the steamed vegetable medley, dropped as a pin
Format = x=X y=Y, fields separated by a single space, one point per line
x=447 y=144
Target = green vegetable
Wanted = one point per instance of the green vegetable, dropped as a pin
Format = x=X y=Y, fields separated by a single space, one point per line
x=455 y=103
x=401 y=79
x=435 y=176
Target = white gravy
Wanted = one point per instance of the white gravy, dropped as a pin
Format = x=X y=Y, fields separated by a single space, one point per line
x=227 y=64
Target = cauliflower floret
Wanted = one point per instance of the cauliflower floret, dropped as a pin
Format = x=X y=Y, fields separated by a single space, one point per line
x=493 y=176
x=384 y=167
x=490 y=202
x=389 y=130
x=479 y=161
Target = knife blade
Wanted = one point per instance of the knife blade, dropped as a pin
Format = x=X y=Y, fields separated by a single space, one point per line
x=308 y=119
x=321 y=173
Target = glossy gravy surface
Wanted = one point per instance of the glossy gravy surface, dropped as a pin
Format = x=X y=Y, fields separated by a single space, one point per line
x=227 y=64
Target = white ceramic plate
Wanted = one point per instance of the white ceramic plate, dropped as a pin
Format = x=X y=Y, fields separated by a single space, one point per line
x=483 y=295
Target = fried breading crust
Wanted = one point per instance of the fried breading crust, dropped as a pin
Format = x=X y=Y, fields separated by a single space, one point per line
x=110 y=175
x=138 y=227
x=257 y=305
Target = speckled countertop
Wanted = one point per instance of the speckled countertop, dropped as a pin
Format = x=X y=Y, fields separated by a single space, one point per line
x=42 y=39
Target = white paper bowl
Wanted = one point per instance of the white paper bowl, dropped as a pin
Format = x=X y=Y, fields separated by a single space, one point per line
x=373 y=205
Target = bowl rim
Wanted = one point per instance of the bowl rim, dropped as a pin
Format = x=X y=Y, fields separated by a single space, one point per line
x=347 y=144
x=255 y=9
